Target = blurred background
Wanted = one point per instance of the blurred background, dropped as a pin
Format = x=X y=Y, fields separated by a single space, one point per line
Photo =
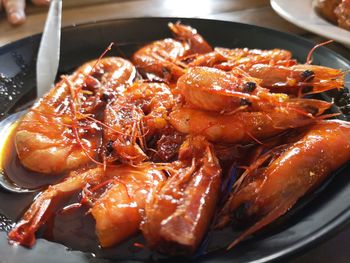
x=258 y=12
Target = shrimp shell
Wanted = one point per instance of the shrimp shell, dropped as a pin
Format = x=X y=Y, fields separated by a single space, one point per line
x=119 y=211
x=178 y=216
x=55 y=129
x=323 y=148
x=243 y=127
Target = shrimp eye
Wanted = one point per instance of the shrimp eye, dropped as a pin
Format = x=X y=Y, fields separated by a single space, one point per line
x=307 y=89
x=109 y=146
x=249 y=86
x=105 y=96
x=308 y=75
x=245 y=102
x=242 y=211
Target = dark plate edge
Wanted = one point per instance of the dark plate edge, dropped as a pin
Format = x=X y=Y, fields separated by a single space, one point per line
x=323 y=234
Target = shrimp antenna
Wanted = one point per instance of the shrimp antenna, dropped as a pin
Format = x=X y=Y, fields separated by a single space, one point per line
x=98 y=60
x=121 y=52
x=309 y=59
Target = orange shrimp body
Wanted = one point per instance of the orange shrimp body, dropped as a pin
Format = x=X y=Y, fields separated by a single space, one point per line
x=227 y=59
x=242 y=126
x=226 y=92
x=178 y=216
x=162 y=59
x=194 y=43
x=132 y=118
x=298 y=79
x=42 y=208
x=158 y=60
x=214 y=89
x=119 y=211
x=323 y=148
x=57 y=127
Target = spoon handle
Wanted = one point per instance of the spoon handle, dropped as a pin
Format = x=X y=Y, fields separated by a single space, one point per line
x=49 y=50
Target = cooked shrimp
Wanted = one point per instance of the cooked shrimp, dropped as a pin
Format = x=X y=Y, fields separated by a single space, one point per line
x=298 y=79
x=162 y=59
x=217 y=90
x=228 y=59
x=275 y=68
x=158 y=60
x=119 y=212
x=44 y=205
x=245 y=58
x=226 y=92
x=178 y=216
x=57 y=128
x=243 y=127
x=159 y=154
x=137 y=115
x=269 y=192
x=194 y=42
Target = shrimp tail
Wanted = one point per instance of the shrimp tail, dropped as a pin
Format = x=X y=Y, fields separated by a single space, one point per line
x=24 y=232
x=47 y=203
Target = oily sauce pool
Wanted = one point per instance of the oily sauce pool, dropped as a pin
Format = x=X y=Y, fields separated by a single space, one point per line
x=74 y=228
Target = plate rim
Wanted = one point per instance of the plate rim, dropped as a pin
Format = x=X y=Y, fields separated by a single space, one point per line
x=21 y=41
x=336 y=33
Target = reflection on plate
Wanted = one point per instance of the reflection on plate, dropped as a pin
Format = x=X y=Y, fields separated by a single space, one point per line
x=303 y=14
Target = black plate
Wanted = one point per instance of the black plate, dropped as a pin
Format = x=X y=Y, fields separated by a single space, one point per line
x=311 y=222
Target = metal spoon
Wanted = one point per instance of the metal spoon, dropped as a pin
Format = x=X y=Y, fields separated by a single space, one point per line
x=46 y=68
x=13 y=188
x=6 y=127
x=49 y=50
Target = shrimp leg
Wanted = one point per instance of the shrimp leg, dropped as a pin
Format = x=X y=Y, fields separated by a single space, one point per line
x=139 y=114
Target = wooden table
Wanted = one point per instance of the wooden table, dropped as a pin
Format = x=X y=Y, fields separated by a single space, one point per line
x=257 y=12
